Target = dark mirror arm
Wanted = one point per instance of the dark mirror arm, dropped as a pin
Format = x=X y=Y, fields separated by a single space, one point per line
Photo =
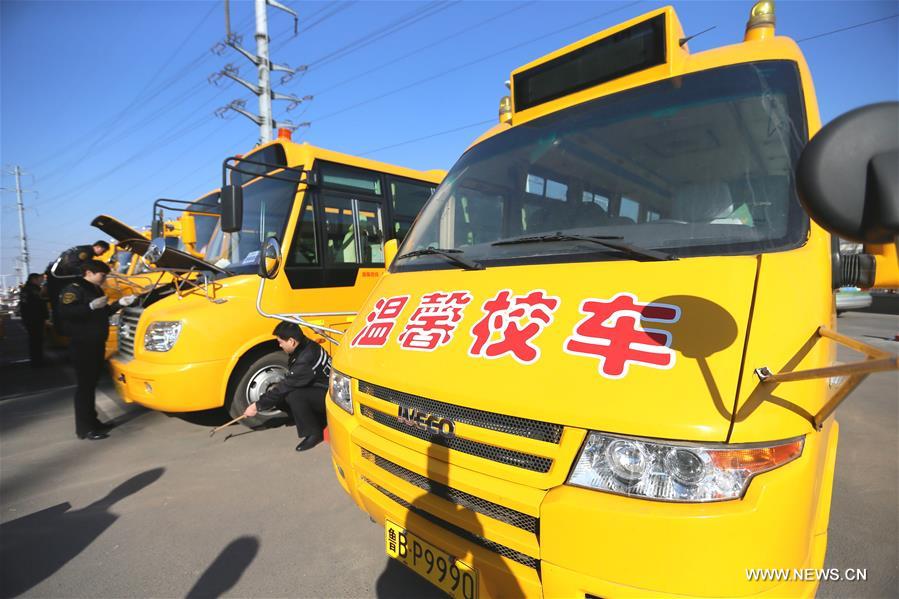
x=310 y=177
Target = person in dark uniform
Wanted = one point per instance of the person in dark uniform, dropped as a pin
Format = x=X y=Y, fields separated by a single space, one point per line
x=302 y=391
x=34 y=313
x=85 y=310
x=61 y=272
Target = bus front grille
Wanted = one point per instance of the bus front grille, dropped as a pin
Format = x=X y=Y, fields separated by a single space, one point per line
x=503 y=423
x=460 y=498
x=490 y=452
x=127 y=330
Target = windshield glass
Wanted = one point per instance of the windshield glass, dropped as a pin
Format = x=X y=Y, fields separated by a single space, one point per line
x=694 y=165
x=205 y=226
x=266 y=206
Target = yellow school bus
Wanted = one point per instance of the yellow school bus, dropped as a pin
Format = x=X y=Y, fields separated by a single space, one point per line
x=130 y=275
x=602 y=362
x=196 y=347
x=192 y=229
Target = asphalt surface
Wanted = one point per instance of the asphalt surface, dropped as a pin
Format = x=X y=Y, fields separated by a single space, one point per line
x=161 y=509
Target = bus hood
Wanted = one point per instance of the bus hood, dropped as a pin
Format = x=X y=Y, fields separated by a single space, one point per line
x=172 y=258
x=642 y=348
x=116 y=229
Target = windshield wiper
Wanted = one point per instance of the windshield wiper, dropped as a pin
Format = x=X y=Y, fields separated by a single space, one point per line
x=609 y=241
x=449 y=254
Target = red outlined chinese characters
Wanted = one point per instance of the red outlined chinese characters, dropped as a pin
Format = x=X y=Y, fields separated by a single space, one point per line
x=613 y=332
x=510 y=323
x=434 y=321
x=380 y=322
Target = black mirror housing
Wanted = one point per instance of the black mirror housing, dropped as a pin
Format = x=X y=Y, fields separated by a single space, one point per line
x=232 y=208
x=848 y=175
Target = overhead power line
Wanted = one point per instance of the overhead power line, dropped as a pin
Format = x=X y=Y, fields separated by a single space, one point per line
x=335 y=9
x=470 y=63
x=103 y=129
x=424 y=137
x=407 y=20
x=842 y=29
x=149 y=148
x=505 y=13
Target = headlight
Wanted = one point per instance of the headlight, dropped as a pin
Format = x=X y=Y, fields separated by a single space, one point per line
x=161 y=335
x=341 y=390
x=672 y=471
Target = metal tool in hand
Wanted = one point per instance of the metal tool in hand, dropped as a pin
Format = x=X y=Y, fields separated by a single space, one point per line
x=227 y=424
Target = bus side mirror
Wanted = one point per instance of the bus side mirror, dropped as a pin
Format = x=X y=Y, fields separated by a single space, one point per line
x=390 y=248
x=848 y=175
x=232 y=208
x=271 y=259
x=155 y=251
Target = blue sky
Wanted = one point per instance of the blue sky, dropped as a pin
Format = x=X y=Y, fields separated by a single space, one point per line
x=107 y=105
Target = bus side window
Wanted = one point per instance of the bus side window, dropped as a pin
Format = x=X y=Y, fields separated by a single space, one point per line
x=304 y=246
x=407 y=200
x=629 y=208
x=340 y=234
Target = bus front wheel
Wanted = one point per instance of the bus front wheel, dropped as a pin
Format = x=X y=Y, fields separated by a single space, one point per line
x=255 y=378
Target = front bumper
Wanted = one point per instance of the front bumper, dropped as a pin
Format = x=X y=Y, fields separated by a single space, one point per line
x=171 y=387
x=596 y=544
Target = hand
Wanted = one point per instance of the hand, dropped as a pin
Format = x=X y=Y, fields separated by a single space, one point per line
x=250 y=411
x=127 y=300
x=100 y=302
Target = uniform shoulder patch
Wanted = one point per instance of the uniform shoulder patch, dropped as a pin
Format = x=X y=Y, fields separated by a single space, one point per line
x=69 y=297
x=82 y=256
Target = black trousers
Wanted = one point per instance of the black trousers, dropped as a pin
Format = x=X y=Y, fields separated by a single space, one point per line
x=88 y=357
x=307 y=406
x=35 y=342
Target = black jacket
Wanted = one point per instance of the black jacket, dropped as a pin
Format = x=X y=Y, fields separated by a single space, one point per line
x=83 y=323
x=32 y=307
x=70 y=261
x=308 y=366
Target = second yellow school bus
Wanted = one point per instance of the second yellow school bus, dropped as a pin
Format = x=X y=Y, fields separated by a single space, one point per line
x=567 y=384
x=205 y=346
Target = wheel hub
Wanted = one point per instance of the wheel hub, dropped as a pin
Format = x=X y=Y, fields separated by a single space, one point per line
x=259 y=383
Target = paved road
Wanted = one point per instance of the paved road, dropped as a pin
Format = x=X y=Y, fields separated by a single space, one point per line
x=162 y=510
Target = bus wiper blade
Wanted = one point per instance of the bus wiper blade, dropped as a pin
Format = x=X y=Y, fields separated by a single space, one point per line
x=610 y=241
x=449 y=254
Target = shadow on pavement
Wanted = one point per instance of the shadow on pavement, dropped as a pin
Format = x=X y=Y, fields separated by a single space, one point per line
x=226 y=570
x=214 y=417
x=399 y=582
x=36 y=546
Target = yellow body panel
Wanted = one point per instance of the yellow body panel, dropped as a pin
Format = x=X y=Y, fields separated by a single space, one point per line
x=696 y=394
x=737 y=313
x=195 y=373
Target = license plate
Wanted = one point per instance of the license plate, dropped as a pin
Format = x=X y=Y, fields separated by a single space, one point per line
x=452 y=576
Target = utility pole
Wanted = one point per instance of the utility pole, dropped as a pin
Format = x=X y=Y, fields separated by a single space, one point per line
x=21 y=206
x=264 y=67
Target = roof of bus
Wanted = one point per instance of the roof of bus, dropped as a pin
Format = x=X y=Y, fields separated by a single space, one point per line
x=680 y=62
x=304 y=153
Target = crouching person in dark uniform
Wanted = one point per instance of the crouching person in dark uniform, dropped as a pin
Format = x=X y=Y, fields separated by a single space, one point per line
x=85 y=310
x=302 y=391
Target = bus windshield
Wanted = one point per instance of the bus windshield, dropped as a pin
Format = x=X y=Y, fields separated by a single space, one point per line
x=205 y=226
x=205 y=214
x=266 y=206
x=699 y=164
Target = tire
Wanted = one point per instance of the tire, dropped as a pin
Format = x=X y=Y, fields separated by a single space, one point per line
x=254 y=379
